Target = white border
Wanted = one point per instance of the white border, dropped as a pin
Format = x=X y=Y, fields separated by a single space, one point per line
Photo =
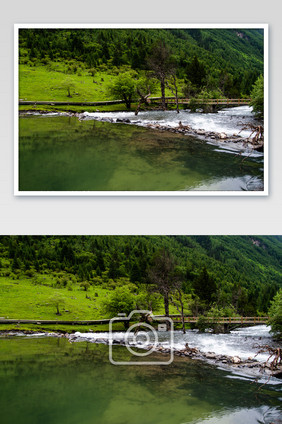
x=201 y=193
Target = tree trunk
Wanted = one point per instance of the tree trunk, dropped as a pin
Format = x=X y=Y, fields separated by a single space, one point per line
x=180 y=311
x=127 y=102
x=126 y=324
x=174 y=92
x=166 y=305
x=182 y=318
x=163 y=93
x=177 y=105
x=143 y=99
x=138 y=107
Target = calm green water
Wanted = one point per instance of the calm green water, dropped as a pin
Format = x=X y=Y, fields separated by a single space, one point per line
x=64 y=154
x=50 y=381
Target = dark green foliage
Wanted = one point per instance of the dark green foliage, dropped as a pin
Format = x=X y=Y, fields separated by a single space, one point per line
x=257 y=96
x=84 y=285
x=162 y=275
x=239 y=271
x=122 y=300
x=205 y=287
x=124 y=87
x=196 y=73
x=202 y=323
x=230 y=58
x=275 y=313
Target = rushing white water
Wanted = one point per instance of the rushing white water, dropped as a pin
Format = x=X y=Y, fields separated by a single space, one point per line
x=241 y=342
x=229 y=121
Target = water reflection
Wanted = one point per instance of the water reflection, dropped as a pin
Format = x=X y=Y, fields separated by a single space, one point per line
x=49 y=380
x=63 y=154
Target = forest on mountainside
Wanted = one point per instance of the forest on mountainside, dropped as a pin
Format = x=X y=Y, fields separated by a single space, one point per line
x=227 y=61
x=239 y=274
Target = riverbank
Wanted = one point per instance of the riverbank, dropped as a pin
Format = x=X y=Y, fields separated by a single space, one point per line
x=131 y=156
x=253 y=365
x=248 y=142
x=250 y=365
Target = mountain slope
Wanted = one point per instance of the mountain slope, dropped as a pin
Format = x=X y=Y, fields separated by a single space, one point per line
x=235 y=55
x=244 y=271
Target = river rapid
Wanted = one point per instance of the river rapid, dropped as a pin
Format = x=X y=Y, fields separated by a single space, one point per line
x=117 y=151
x=52 y=381
x=239 y=351
x=229 y=121
x=241 y=342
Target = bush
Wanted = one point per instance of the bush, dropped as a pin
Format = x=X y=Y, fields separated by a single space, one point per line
x=61 y=282
x=120 y=301
x=257 y=96
x=227 y=311
x=92 y=71
x=123 y=87
x=202 y=323
x=30 y=273
x=85 y=285
x=275 y=313
x=194 y=104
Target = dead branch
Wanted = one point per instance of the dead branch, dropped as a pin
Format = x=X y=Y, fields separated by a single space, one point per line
x=275 y=353
x=189 y=349
x=143 y=99
x=257 y=135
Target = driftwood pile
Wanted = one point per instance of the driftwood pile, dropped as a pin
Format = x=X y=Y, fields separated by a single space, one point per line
x=256 y=138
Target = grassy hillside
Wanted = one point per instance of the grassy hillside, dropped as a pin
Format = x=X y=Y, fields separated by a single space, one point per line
x=240 y=274
x=86 y=62
x=51 y=84
x=35 y=298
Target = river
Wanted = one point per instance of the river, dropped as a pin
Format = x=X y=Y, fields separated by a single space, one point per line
x=240 y=342
x=63 y=153
x=229 y=121
x=52 y=381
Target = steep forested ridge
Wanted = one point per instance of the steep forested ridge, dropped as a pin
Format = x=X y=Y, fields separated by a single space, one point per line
x=232 y=59
x=239 y=271
x=224 y=47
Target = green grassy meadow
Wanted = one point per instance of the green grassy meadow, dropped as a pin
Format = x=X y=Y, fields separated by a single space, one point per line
x=28 y=300
x=41 y=83
x=51 y=83
x=34 y=298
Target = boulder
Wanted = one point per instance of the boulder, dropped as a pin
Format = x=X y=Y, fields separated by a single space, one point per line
x=210 y=355
x=236 y=360
x=201 y=132
x=125 y=121
x=222 y=135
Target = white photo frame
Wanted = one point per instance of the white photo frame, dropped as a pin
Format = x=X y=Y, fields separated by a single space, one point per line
x=203 y=193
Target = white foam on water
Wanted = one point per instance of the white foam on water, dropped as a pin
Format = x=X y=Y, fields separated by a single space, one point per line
x=229 y=121
x=241 y=342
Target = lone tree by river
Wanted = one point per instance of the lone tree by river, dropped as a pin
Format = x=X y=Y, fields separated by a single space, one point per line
x=161 y=63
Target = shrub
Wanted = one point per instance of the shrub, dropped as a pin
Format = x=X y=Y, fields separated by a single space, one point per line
x=275 y=313
x=257 y=96
x=202 y=323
